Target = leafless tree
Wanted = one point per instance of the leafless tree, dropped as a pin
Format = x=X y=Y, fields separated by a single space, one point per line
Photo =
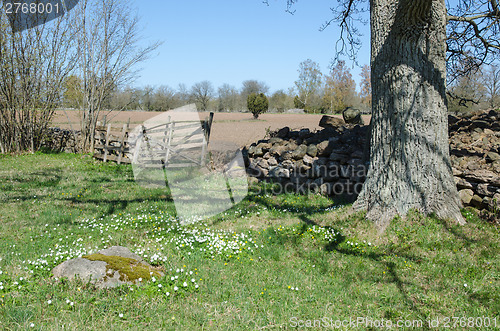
x=108 y=45
x=229 y=98
x=252 y=86
x=165 y=98
x=492 y=85
x=202 y=93
x=33 y=66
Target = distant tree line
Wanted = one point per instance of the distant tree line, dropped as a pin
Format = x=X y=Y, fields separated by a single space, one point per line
x=226 y=98
x=313 y=92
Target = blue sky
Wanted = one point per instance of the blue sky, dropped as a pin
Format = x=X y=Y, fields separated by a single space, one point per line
x=229 y=41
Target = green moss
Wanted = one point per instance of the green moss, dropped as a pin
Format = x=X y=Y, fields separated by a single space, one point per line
x=128 y=268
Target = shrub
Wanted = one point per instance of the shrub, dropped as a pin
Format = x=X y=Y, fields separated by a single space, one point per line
x=257 y=104
x=299 y=104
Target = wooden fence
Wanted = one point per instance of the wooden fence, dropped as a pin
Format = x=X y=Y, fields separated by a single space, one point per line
x=167 y=142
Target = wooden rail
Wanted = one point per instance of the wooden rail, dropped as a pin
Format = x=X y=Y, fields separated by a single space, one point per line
x=182 y=138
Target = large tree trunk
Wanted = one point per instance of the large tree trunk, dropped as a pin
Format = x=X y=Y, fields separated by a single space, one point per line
x=409 y=153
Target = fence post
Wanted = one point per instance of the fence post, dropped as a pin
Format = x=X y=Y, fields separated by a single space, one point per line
x=106 y=143
x=122 y=143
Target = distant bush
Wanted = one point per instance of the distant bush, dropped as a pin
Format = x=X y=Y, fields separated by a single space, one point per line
x=298 y=103
x=257 y=104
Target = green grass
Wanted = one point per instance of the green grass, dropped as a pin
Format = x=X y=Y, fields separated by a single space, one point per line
x=241 y=269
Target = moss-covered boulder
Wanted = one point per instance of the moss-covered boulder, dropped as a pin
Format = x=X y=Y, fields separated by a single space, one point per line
x=108 y=268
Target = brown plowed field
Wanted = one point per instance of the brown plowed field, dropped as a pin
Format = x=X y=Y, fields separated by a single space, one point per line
x=238 y=128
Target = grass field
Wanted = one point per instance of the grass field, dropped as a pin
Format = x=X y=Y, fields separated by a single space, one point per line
x=271 y=262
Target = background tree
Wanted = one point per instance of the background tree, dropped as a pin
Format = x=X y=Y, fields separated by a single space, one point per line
x=366 y=86
x=147 y=101
x=126 y=98
x=202 y=93
x=165 y=98
x=253 y=86
x=280 y=101
x=467 y=93
x=183 y=94
x=257 y=104
x=73 y=92
x=492 y=86
x=308 y=84
x=340 y=88
x=229 y=98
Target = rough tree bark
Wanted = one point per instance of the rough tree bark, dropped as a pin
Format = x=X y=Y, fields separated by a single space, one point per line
x=409 y=153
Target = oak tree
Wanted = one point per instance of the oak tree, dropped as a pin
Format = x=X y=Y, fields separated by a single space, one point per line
x=409 y=150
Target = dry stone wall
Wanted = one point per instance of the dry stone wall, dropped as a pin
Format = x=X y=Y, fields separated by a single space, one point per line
x=62 y=140
x=334 y=161
x=475 y=158
x=331 y=161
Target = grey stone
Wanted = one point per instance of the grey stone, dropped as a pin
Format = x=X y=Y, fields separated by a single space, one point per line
x=300 y=152
x=287 y=164
x=258 y=152
x=352 y=116
x=283 y=132
x=263 y=164
x=466 y=196
x=279 y=172
x=272 y=161
x=483 y=176
x=330 y=122
x=489 y=132
x=342 y=158
x=456 y=172
x=477 y=201
x=276 y=140
x=325 y=188
x=85 y=269
x=291 y=146
x=287 y=155
x=252 y=181
x=264 y=146
x=312 y=150
x=492 y=157
x=308 y=160
x=462 y=183
x=89 y=268
x=251 y=150
x=277 y=150
x=304 y=133
x=495 y=202
x=486 y=190
x=321 y=148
